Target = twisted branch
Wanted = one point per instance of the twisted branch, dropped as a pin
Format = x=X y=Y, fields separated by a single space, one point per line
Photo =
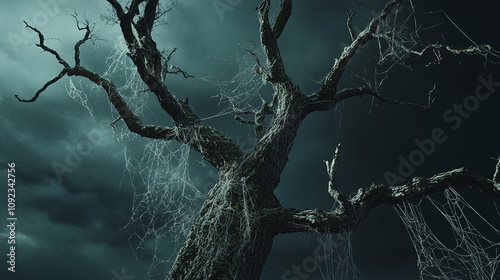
x=333 y=77
x=282 y=18
x=337 y=221
x=41 y=44
x=268 y=37
x=216 y=147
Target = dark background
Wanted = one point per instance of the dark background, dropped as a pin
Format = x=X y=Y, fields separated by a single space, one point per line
x=72 y=229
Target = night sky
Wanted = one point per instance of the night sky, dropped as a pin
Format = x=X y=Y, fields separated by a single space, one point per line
x=72 y=228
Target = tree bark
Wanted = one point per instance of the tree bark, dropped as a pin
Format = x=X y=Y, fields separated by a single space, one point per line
x=229 y=239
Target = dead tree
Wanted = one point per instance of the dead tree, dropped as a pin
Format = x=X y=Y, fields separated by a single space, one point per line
x=233 y=234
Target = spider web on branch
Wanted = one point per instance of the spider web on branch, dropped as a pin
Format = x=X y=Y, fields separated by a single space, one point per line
x=243 y=90
x=405 y=35
x=77 y=95
x=402 y=35
x=333 y=256
x=339 y=264
x=472 y=255
x=165 y=200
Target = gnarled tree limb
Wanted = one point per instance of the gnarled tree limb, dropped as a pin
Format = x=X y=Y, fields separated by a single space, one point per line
x=86 y=37
x=337 y=221
x=49 y=83
x=328 y=88
x=324 y=105
x=41 y=44
x=350 y=15
x=282 y=18
x=216 y=147
x=269 y=41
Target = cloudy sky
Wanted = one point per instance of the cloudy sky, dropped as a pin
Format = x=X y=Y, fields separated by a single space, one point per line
x=70 y=223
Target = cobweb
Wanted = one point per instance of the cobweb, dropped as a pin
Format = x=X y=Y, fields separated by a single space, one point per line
x=244 y=90
x=339 y=264
x=332 y=256
x=165 y=199
x=337 y=259
x=405 y=34
x=470 y=255
x=409 y=40
x=77 y=95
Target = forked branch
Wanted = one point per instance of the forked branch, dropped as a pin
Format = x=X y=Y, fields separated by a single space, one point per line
x=145 y=55
x=259 y=116
x=269 y=39
x=215 y=147
x=332 y=79
x=132 y=121
x=328 y=94
x=282 y=18
x=86 y=37
x=41 y=44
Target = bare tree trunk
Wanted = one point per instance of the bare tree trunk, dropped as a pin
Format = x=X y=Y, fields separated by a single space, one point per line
x=228 y=240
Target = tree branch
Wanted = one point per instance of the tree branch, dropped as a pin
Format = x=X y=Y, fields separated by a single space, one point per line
x=282 y=18
x=147 y=58
x=337 y=221
x=483 y=49
x=147 y=21
x=332 y=183
x=325 y=105
x=259 y=116
x=269 y=41
x=215 y=147
x=496 y=176
x=328 y=95
x=37 y=94
x=350 y=16
x=333 y=77
x=42 y=45
x=86 y=37
x=118 y=8
x=132 y=121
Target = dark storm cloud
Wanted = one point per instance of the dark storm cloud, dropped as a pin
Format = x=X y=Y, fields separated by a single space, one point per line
x=71 y=229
